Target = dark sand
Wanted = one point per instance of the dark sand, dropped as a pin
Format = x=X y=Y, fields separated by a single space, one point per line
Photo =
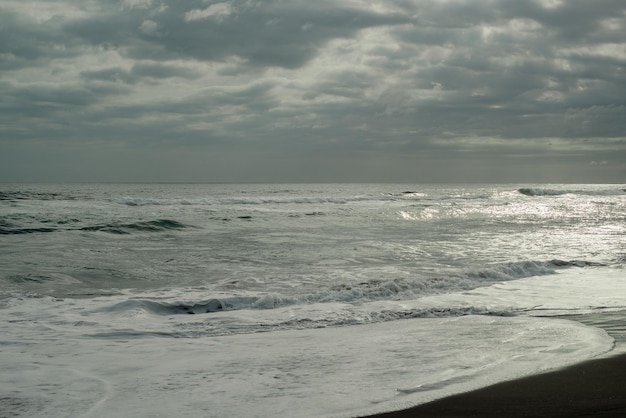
x=596 y=388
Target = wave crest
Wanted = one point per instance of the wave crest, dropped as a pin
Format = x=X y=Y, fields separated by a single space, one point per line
x=375 y=290
x=556 y=192
x=158 y=225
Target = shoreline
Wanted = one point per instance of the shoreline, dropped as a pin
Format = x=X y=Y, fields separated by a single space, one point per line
x=592 y=388
x=596 y=387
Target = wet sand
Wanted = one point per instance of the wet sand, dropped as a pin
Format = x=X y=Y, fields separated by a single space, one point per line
x=595 y=388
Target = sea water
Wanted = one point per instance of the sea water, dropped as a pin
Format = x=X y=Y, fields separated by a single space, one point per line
x=333 y=300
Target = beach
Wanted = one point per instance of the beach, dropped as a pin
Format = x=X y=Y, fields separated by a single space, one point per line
x=595 y=388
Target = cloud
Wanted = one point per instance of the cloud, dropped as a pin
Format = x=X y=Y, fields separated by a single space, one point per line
x=380 y=84
x=25 y=42
x=218 y=11
x=150 y=28
x=267 y=33
x=140 y=72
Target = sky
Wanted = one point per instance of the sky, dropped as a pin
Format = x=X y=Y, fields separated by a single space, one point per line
x=408 y=91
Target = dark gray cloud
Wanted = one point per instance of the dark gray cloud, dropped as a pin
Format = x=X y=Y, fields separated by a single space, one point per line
x=365 y=90
x=279 y=33
x=139 y=72
x=24 y=42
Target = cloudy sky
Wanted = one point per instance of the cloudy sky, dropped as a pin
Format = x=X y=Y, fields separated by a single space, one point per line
x=312 y=91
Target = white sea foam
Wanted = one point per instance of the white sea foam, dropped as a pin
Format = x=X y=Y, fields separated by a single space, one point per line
x=394 y=289
x=337 y=371
x=570 y=291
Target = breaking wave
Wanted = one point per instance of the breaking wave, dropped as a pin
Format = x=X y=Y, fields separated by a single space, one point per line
x=561 y=192
x=396 y=289
x=158 y=308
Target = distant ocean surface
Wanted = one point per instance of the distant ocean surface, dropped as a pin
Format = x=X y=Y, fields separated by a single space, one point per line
x=321 y=300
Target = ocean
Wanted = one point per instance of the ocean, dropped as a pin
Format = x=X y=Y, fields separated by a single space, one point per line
x=296 y=300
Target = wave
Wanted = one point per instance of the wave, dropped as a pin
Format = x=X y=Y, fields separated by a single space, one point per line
x=158 y=225
x=28 y=225
x=18 y=231
x=31 y=195
x=202 y=329
x=408 y=194
x=132 y=201
x=158 y=308
x=29 y=278
x=396 y=289
x=560 y=192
